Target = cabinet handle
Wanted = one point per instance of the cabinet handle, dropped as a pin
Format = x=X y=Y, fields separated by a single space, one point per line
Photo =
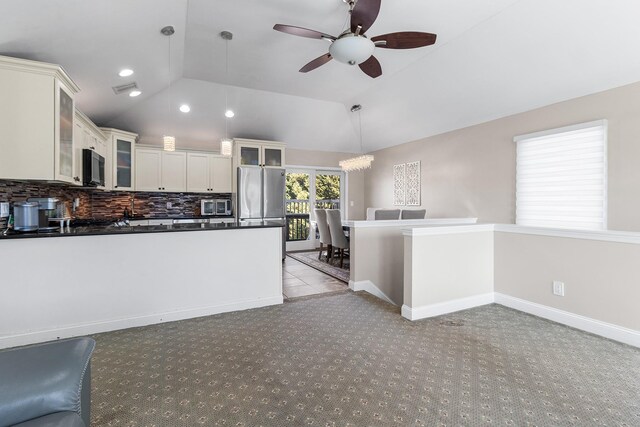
x=115 y=186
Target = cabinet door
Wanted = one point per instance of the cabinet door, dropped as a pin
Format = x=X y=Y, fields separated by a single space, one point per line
x=101 y=146
x=174 y=171
x=79 y=138
x=272 y=157
x=221 y=174
x=198 y=173
x=65 y=154
x=123 y=160
x=250 y=155
x=148 y=170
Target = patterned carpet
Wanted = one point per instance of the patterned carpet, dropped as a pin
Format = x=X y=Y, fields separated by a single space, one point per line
x=332 y=268
x=350 y=359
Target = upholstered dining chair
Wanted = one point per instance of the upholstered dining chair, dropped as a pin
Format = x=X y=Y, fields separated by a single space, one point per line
x=387 y=214
x=413 y=214
x=338 y=239
x=323 y=229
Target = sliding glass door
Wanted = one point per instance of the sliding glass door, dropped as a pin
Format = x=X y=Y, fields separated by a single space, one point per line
x=306 y=190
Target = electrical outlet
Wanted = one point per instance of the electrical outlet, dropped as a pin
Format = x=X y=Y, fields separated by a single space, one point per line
x=4 y=209
x=351 y=203
x=169 y=205
x=558 y=288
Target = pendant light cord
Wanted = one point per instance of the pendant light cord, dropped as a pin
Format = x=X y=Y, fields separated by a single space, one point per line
x=360 y=126
x=169 y=93
x=226 y=89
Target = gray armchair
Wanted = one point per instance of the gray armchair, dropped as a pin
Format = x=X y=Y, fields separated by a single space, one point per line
x=47 y=385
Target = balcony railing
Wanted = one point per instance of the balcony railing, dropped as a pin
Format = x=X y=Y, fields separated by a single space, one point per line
x=298 y=223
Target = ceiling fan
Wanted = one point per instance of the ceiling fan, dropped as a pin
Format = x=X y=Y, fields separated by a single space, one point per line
x=352 y=46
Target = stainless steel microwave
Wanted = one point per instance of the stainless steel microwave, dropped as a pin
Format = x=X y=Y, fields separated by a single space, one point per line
x=215 y=207
x=92 y=168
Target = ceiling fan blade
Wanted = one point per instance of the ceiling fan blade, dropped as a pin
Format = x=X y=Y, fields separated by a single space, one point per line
x=371 y=67
x=302 y=32
x=321 y=60
x=404 y=40
x=364 y=14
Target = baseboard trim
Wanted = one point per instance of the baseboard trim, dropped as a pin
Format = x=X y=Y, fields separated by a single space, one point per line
x=369 y=286
x=431 y=310
x=597 y=327
x=132 y=322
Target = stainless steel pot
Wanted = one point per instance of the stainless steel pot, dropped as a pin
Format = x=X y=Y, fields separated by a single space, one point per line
x=25 y=216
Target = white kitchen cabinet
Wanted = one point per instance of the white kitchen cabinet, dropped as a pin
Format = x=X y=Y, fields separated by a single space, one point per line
x=221 y=220
x=208 y=173
x=148 y=169
x=87 y=135
x=36 y=121
x=164 y=221
x=120 y=161
x=174 y=171
x=220 y=174
x=250 y=152
x=158 y=170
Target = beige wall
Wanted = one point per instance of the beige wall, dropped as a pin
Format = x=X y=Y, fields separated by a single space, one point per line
x=601 y=278
x=355 y=180
x=471 y=171
x=377 y=255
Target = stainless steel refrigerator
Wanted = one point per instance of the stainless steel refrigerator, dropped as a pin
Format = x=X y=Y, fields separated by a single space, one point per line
x=260 y=196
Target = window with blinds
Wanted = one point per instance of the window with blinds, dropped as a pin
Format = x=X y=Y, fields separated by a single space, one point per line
x=561 y=177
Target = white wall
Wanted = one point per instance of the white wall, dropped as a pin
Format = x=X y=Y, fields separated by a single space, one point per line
x=471 y=172
x=447 y=267
x=89 y=284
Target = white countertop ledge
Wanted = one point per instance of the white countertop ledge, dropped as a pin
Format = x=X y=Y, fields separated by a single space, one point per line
x=409 y=222
x=630 y=237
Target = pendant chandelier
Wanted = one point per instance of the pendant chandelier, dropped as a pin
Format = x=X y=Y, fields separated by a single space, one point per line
x=226 y=143
x=360 y=162
x=169 y=142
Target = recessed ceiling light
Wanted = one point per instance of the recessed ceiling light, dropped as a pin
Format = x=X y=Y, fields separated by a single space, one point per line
x=134 y=93
x=185 y=108
x=229 y=113
x=125 y=73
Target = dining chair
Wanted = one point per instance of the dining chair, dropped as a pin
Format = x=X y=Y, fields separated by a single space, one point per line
x=323 y=229
x=413 y=214
x=338 y=239
x=386 y=214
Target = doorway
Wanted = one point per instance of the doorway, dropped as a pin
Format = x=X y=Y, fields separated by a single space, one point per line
x=308 y=189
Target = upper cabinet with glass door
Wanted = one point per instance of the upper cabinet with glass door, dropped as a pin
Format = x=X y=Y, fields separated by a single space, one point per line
x=36 y=122
x=250 y=152
x=119 y=170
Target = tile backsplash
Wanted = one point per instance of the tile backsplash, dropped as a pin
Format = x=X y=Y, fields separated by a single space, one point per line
x=107 y=204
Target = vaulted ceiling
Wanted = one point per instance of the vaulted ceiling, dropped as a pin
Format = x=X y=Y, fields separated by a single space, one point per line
x=492 y=58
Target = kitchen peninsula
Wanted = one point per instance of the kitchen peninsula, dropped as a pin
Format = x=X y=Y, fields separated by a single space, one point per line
x=98 y=279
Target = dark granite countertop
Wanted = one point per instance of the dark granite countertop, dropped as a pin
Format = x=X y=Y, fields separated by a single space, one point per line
x=142 y=229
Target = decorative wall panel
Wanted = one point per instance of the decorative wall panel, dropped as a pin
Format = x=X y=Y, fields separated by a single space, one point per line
x=413 y=183
x=399 y=184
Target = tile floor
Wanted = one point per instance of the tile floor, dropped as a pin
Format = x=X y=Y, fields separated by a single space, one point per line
x=301 y=280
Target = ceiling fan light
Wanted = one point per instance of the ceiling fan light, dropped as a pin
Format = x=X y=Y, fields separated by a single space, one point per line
x=352 y=49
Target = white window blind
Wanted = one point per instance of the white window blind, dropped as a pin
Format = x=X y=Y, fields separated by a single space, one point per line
x=561 y=177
